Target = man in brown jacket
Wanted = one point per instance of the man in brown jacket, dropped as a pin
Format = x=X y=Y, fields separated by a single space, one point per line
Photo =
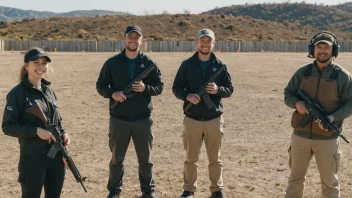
x=330 y=85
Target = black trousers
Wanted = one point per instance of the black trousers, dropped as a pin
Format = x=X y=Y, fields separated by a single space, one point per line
x=120 y=134
x=38 y=170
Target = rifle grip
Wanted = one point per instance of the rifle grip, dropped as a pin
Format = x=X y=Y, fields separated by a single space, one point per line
x=305 y=120
x=188 y=106
x=113 y=106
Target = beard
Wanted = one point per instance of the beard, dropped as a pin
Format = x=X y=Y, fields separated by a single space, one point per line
x=324 y=59
x=204 y=53
x=131 y=49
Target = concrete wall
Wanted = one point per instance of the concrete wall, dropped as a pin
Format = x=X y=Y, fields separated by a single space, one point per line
x=164 y=46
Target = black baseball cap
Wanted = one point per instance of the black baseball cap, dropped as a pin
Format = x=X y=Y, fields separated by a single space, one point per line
x=324 y=38
x=34 y=54
x=133 y=28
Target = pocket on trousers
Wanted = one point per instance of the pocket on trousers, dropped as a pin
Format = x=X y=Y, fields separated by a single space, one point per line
x=184 y=140
x=184 y=135
x=337 y=157
x=289 y=157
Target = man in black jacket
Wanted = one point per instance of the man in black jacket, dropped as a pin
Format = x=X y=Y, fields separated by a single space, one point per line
x=132 y=116
x=201 y=121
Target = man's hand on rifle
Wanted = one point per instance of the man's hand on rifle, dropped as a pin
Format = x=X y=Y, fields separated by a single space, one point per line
x=331 y=119
x=45 y=135
x=138 y=86
x=119 y=96
x=301 y=107
x=66 y=139
x=193 y=98
x=212 y=88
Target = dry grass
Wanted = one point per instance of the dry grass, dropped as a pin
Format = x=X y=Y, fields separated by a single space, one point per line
x=157 y=27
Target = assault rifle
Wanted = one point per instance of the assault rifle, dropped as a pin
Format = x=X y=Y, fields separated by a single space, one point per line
x=317 y=112
x=202 y=92
x=128 y=91
x=58 y=145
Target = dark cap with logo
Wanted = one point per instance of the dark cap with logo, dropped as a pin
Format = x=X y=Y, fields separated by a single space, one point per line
x=133 y=28
x=34 y=54
x=324 y=38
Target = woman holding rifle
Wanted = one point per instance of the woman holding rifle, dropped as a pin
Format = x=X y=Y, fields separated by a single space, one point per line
x=35 y=168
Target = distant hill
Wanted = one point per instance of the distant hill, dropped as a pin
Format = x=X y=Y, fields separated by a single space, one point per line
x=155 y=27
x=260 y=22
x=345 y=7
x=337 y=17
x=10 y=14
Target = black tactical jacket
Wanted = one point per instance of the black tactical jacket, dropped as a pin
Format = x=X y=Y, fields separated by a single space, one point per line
x=18 y=123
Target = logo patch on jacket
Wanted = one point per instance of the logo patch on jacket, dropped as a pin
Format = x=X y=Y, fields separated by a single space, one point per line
x=214 y=69
x=9 y=108
x=142 y=66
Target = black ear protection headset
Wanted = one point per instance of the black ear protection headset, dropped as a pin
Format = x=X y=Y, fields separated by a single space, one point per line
x=335 y=45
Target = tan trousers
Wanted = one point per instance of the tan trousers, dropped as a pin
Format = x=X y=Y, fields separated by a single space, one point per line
x=327 y=156
x=194 y=133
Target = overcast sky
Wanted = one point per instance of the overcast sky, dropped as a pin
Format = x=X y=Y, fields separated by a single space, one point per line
x=143 y=6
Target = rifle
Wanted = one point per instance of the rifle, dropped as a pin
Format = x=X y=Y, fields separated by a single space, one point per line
x=128 y=91
x=317 y=112
x=201 y=92
x=58 y=145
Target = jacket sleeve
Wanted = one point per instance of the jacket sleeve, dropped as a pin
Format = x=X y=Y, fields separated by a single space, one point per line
x=156 y=85
x=104 y=81
x=11 y=119
x=180 y=83
x=225 y=89
x=291 y=89
x=59 y=121
x=345 y=93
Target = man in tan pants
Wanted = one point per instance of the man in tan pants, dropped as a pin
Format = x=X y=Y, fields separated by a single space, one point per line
x=328 y=84
x=203 y=109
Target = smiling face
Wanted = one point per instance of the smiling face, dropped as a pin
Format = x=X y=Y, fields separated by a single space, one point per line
x=133 y=41
x=322 y=52
x=205 y=45
x=36 y=69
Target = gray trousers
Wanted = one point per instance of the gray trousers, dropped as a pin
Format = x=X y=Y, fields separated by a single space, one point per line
x=120 y=133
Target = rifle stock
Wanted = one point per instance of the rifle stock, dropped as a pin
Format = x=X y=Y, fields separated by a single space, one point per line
x=128 y=90
x=58 y=145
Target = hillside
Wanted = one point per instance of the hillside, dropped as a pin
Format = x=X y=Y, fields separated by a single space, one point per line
x=156 y=27
x=336 y=18
x=10 y=14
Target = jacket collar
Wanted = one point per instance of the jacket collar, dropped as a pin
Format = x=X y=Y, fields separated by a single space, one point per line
x=123 y=53
x=27 y=84
x=212 y=57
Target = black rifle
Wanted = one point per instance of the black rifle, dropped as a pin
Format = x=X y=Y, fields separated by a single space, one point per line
x=128 y=91
x=317 y=112
x=202 y=92
x=58 y=145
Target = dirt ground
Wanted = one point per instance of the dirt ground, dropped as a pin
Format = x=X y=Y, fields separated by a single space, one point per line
x=257 y=128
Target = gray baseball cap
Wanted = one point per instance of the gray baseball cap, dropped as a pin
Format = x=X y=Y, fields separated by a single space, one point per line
x=206 y=32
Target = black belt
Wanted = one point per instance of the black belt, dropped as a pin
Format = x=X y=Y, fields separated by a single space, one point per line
x=131 y=118
x=200 y=118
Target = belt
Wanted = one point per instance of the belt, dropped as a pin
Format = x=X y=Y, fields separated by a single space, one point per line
x=200 y=118
x=131 y=118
